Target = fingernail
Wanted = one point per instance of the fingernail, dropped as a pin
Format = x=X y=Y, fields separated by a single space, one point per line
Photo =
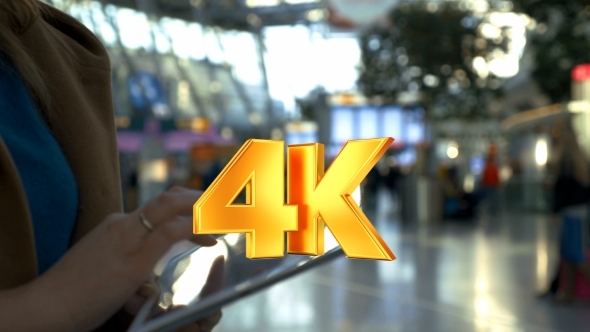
x=211 y=241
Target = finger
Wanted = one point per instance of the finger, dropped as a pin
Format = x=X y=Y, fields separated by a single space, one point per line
x=169 y=205
x=215 y=279
x=158 y=242
x=193 y=327
x=207 y=324
x=148 y=289
x=214 y=283
x=204 y=240
x=200 y=239
x=134 y=304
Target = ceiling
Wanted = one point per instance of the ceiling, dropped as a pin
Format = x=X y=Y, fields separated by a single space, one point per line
x=248 y=15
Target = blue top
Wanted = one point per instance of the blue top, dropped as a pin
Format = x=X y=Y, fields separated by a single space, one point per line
x=44 y=171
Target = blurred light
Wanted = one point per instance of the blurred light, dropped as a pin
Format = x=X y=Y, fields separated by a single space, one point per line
x=154 y=171
x=197 y=3
x=541 y=152
x=477 y=164
x=227 y=133
x=374 y=44
x=186 y=39
x=469 y=183
x=240 y=51
x=481 y=6
x=295 y=2
x=415 y=71
x=199 y=125
x=232 y=238
x=469 y=22
x=430 y=80
x=330 y=241
x=254 y=20
x=432 y=7
x=162 y=42
x=262 y=3
x=505 y=173
x=481 y=43
x=482 y=306
x=481 y=67
x=161 y=111
x=183 y=94
x=504 y=66
x=356 y=195
x=134 y=29
x=490 y=31
x=446 y=69
x=122 y=121
x=460 y=74
x=315 y=59
x=413 y=87
x=191 y=282
x=531 y=23
x=255 y=118
x=542 y=261
x=453 y=150
x=276 y=134
x=485 y=300
x=482 y=285
x=453 y=84
x=542 y=257
x=505 y=19
x=402 y=60
x=316 y=15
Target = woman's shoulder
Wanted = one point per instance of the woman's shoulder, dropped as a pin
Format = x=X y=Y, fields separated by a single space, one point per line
x=69 y=36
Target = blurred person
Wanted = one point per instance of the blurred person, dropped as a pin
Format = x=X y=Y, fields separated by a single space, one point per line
x=457 y=203
x=70 y=260
x=370 y=188
x=132 y=190
x=548 y=185
x=393 y=178
x=490 y=182
x=571 y=197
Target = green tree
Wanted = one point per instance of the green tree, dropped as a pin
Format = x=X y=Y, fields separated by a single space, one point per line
x=433 y=55
x=560 y=41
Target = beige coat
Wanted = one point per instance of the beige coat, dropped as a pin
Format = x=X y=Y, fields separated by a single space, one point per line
x=77 y=70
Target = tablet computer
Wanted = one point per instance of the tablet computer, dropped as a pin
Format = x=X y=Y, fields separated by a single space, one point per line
x=202 y=280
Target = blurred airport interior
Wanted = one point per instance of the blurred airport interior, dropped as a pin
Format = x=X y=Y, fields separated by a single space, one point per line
x=475 y=93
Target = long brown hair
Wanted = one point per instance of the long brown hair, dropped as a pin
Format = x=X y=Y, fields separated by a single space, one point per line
x=16 y=16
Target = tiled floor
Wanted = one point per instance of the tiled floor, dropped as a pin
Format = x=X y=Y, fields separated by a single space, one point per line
x=462 y=276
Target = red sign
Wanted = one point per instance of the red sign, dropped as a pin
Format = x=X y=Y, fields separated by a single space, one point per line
x=581 y=73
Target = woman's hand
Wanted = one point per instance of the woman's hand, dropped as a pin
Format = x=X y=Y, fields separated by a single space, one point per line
x=104 y=269
x=213 y=284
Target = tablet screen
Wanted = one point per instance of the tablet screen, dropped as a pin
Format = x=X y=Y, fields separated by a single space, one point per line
x=204 y=279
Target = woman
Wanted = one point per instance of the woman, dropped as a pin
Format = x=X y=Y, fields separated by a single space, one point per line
x=571 y=199
x=491 y=182
x=68 y=256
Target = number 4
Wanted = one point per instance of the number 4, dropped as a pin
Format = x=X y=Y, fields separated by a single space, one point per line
x=313 y=199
